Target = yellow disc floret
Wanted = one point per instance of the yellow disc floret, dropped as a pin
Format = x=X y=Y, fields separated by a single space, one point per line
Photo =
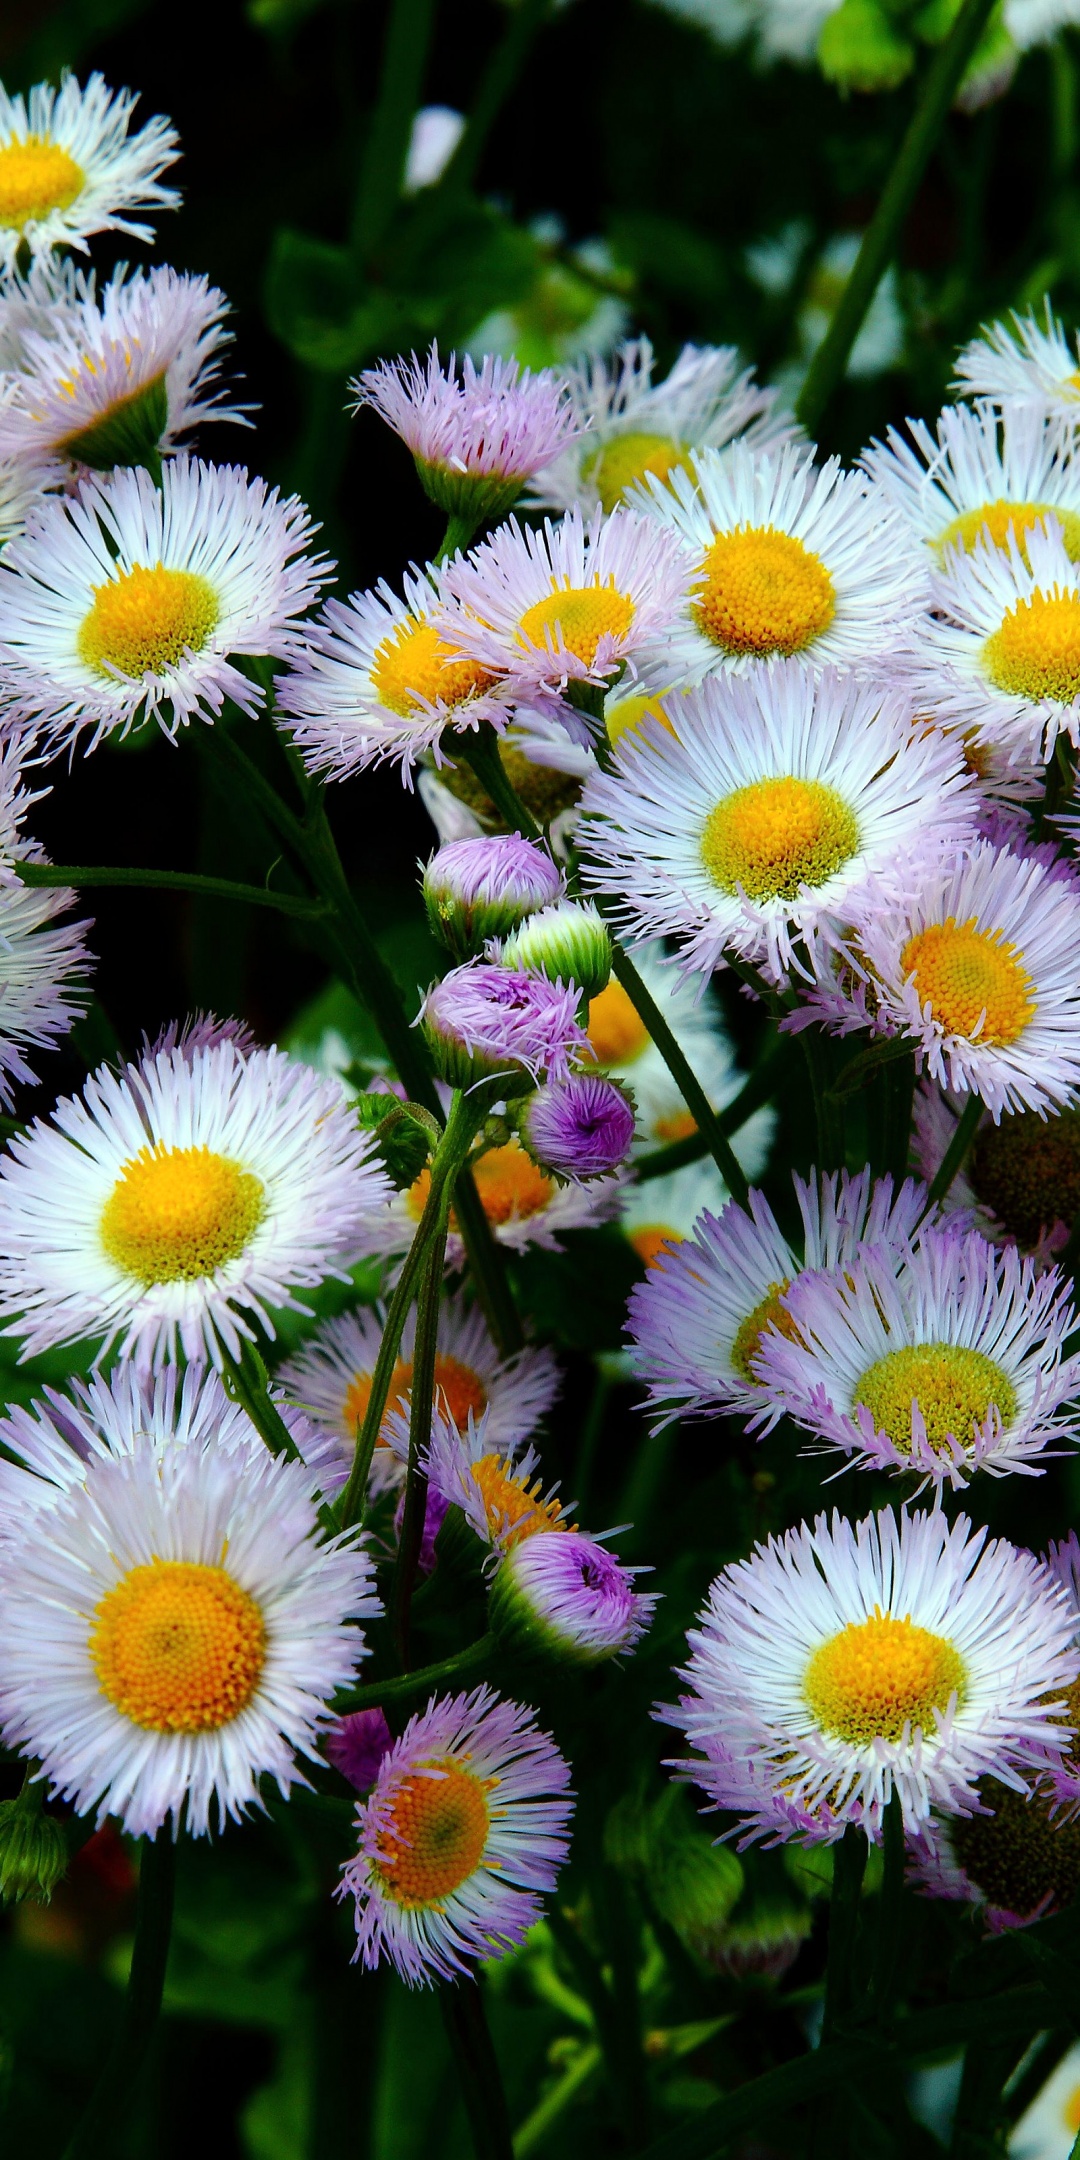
x=1036 y=652
x=178 y=1646
x=996 y=520
x=434 y=1835
x=515 y=1507
x=627 y=458
x=415 y=667
x=974 y=982
x=616 y=1031
x=574 y=618
x=1021 y=1856
x=762 y=591
x=144 y=621
x=770 y=1312
x=879 y=1675
x=36 y=177
x=774 y=837
x=956 y=1389
x=178 y=1214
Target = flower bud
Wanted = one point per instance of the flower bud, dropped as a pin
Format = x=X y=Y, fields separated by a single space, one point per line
x=861 y=49
x=484 y=1022
x=402 y=1135
x=483 y=888
x=579 y=1128
x=567 y=942
x=33 y=1848
x=475 y=437
x=560 y=1594
x=356 y=1745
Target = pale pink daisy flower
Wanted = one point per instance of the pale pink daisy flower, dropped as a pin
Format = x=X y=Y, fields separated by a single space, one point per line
x=476 y=438
x=71 y=166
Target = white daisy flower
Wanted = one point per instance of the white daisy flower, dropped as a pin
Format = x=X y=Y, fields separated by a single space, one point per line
x=636 y=427
x=38 y=302
x=464 y=1832
x=1020 y=1179
x=381 y=676
x=44 y=963
x=330 y=1378
x=69 y=166
x=751 y=829
x=173 y=1203
x=118 y=376
x=984 y=475
x=559 y=606
x=977 y=966
x=1000 y=652
x=697 y=1320
x=173 y=1625
x=841 y=1664
x=786 y=558
x=622 y=1045
x=952 y=1363
x=523 y=1206
x=1024 y=361
x=1047 y=2129
x=125 y=602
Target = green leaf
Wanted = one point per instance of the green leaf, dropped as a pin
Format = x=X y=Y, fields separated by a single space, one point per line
x=320 y=305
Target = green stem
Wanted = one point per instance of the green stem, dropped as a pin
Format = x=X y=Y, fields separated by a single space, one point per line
x=1058 y=786
x=477 y=2067
x=533 y=2132
x=421 y=1408
x=849 y=1867
x=890 y=1911
x=498 y=79
x=593 y=1986
x=459 y=532
x=400 y=1686
x=827 y=1112
x=95 y=2134
x=686 y=1080
x=757 y=1089
x=247 y=1381
x=79 y=875
x=952 y=1161
x=489 y=1277
x=405 y=54
x=480 y=749
x=882 y=235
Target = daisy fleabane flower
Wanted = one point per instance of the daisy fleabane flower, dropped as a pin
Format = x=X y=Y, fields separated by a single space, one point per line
x=579 y=1128
x=1020 y=1177
x=485 y=1022
x=846 y=1662
x=1024 y=361
x=70 y=166
x=952 y=1363
x=125 y=602
x=380 y=676
x=119 y=375
x=555 y=607
x=567 y=1597
x=977 y=966
x=477 y=1466
x=174 y=1201
x=696 y=1322
x=464 y=1832
x=174 y=1626
x=44 y=963
x=983 y=474
x=752 y=827
x=475 y=438
x=999 y=653
x=1016 y=1861
x=633 y=427
x=785 y=559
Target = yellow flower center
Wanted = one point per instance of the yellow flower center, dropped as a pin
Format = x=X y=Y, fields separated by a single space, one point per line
x=434 y=1836
x=763 y=592
x=996 y=520
x=178 y=1646
x=627 y=458
x=457 y=1391
x=626 y=717
x=1021 y=1853
x=414 y=667
x=178 y=1214
x=616 y=1030
x=771 y=1312
x=35 y=177
x=1036 y=652
x=777 y=836
x=515 y=1509
x=649 y=1240
x=955 y=1388
x=879 y=1675
x=1028 y=1170
x=144 y=621
x=679 y=1126
x=974 y=983
x=577 y=617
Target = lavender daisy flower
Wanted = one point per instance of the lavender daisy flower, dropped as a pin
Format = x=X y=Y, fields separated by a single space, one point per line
x=463 y=1834
x=484 y=1022
x=483 y=888
x=476 y=438
x=579 y=1128
x=566 y=1597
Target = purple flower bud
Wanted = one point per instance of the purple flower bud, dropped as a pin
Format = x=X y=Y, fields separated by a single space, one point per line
x=356 y=1745
x=476 y=438
x=580 y=1127
x=562 y=1594
x=486 y=1023
x=483 y=888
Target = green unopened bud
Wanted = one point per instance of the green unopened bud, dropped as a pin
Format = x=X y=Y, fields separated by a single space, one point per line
x=568 y=943
x=762 y=1943
x=695 y=1886
x=860 y=49
x=129 y=433
x=403 y=1135
x=33 y=1848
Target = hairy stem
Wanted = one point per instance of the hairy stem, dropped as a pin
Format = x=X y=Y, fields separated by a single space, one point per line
x=477 y=2067
x=79 y=875
x=399 y=1686
x=421 y=1407
x=952 y=1162
x=693 y=1094
x=96 y=2133
x=405 y=52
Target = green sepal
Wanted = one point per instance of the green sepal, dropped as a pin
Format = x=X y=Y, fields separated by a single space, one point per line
x=404 y=1133
x=129 y=434
x=33 y=1848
